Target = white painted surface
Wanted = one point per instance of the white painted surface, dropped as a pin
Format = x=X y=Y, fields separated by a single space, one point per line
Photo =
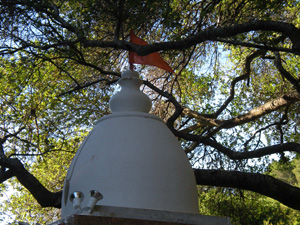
x=133 y=159
x=130 y=98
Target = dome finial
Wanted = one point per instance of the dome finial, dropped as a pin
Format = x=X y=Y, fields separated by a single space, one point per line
x=130 y=98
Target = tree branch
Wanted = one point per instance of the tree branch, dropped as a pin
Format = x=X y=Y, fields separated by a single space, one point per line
x=119 y=17
x=252 y=115
x=246 y=75
x=262 y=184
x=209 y=34
x=280 y=148
x=5 y=175
x=284 y=73
x=238 y=155
x=80 y=87
x=259 y=112
x=55 y=15
x=258 y=46
x=44 y=197
x=170 y=97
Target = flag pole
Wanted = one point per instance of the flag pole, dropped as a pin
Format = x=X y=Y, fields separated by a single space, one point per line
x=131 y=66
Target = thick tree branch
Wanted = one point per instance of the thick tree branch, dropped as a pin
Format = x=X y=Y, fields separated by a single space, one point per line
x=252 y=115
x=203 y=120
x=260 y=111
x=209 y=34
x=262 y=184
x=44 y=197
x=5 y=175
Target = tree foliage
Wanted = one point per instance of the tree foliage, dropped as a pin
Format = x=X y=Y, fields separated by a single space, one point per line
x=244 y=207
x=233 y=102
x=51 y=171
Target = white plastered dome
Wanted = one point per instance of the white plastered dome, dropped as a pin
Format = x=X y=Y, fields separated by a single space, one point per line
x=132 y=159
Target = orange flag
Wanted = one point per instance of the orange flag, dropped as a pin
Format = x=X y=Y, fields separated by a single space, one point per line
x=153 y=59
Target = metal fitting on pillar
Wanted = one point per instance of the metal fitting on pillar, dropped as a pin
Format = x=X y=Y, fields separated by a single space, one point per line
x=76 y=198
x=95 y=196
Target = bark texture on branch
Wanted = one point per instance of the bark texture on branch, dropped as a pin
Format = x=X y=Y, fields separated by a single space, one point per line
x=252 y=115
x=262 y=184
x=43 y=196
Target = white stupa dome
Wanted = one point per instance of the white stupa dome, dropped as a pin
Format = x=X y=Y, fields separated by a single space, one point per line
x=132 y=159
